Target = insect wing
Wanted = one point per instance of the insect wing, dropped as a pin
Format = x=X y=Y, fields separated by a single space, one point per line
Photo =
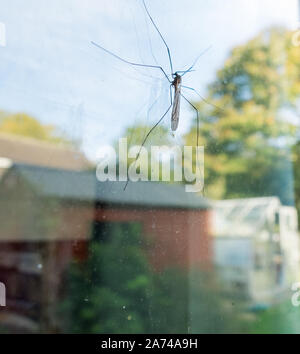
x=176 y=108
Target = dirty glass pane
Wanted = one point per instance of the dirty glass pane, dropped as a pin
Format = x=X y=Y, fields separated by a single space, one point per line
x=149 y=166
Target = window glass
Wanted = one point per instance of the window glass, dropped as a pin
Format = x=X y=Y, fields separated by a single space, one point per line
x=149 y=166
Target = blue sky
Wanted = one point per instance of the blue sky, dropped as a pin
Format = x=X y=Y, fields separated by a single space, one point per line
x=50 y=69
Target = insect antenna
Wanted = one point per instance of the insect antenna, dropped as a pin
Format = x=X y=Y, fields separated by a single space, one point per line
x=195 y=62
x=130 y=62
x=161 y=36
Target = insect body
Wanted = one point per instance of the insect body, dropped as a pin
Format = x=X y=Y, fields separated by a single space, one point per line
x=176 y=83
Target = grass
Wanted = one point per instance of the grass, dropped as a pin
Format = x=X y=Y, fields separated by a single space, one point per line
x=280 y=319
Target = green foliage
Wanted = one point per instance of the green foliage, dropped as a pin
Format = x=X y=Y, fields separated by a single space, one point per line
x=108 y=294
x=255 y=72
x=169 y=302
x=279 y=319
x=25 y=125
x=192 y=302
x=243 y=139
x=117 y=291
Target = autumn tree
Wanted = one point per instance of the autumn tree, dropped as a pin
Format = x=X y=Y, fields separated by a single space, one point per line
x=22 y=124
x=247 y=137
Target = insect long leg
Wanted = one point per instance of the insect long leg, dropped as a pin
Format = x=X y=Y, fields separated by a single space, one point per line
x=132 y=63
x=196 y=110
x=156 y=124
x=161 y=36
x=171 y=97
x=147 y=136
x=202 y=98
x=149 y=110
x=151 y=130
x=197 y=127
x=194 y=63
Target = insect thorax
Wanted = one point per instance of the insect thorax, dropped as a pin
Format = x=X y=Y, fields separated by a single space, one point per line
x=177 y=80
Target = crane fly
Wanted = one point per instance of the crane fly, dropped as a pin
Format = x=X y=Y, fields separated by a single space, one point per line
x=176 y=104
x=175 y=81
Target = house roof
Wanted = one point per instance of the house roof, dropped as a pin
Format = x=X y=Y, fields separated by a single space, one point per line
x=150 y=194
x=83 y=186
x=32 y=151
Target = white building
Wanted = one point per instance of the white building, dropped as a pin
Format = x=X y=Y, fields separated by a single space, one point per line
x=256 y=247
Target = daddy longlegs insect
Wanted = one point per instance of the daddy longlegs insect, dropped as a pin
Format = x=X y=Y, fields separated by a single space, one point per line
x=175 y=81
